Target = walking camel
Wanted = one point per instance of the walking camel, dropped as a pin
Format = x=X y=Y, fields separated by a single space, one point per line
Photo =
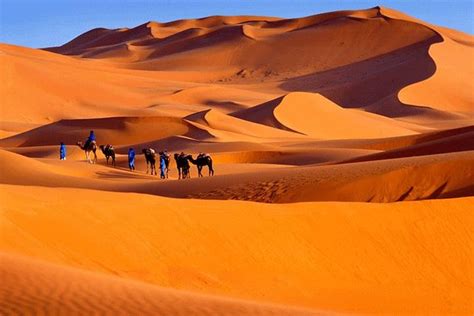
x=109 y=152
x=182 y=164
x=201 y=161
x=150 y=157
x=88 y=148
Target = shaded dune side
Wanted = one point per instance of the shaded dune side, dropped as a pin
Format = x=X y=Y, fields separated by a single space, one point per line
x=30 y=286
x=374 y=84
x=454 y=143
x=388 y=143
x=231 y=44
x=362 y=35
x=313 y=115
x=112 y=130
x=451 y=86
x=217 y=120
x=151 y=31
x=263 y=114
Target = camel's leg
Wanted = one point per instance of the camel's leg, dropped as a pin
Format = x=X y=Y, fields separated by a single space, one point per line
x=211 y=170
x=199 y=171
x=179 y=174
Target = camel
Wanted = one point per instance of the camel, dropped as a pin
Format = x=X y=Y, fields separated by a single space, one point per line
x=167 y=161
x=108 y=151
x=183 y=166
x=150 y=158
x=201 y=161
x=91 y=147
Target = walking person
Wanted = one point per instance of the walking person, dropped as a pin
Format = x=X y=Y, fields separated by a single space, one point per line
x=162 y=167
x=62 y=151
x=131 y=159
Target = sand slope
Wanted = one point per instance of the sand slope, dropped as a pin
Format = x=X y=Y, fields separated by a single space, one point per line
x=390 y=258
x=406 y=178
x=55 y=289
x=325 y=119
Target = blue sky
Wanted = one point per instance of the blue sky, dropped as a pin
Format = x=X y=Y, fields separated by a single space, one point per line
x=43 y=23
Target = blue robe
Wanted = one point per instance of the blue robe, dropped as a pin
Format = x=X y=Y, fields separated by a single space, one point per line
x=62 y=152
x=131 y=159
x=162 y=167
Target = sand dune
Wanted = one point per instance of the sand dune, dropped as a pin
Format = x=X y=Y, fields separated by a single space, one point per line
x=353 y=26
x=368 y=71
x=285 y=113
x=61 y=290
x=390 y=258
x=463 y=141
x=348 y=134
x=219 y=121
x=113 y=130
x=448 y=88
x=428 y=177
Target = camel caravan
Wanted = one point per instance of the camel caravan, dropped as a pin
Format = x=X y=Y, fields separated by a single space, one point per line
x=182 y=160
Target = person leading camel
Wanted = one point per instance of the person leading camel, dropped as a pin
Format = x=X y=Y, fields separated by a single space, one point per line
x=131 y=159
x=109 y=152
x=166 y=157
x=62 y=151
x=162 y=167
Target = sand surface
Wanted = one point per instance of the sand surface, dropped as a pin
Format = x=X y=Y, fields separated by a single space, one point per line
x=343 y=178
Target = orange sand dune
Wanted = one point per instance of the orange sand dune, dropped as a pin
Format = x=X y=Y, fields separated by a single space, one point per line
x=353 y=27
x=216 y=120
x=377 y=57
x=414 y=178
x=286 y=112
x=401 y=258
x=52 y=289
x=449 y=88
x=113 y=130
x=346 y=107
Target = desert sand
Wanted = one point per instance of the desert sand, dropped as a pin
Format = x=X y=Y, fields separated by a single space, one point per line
x=343 y=149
